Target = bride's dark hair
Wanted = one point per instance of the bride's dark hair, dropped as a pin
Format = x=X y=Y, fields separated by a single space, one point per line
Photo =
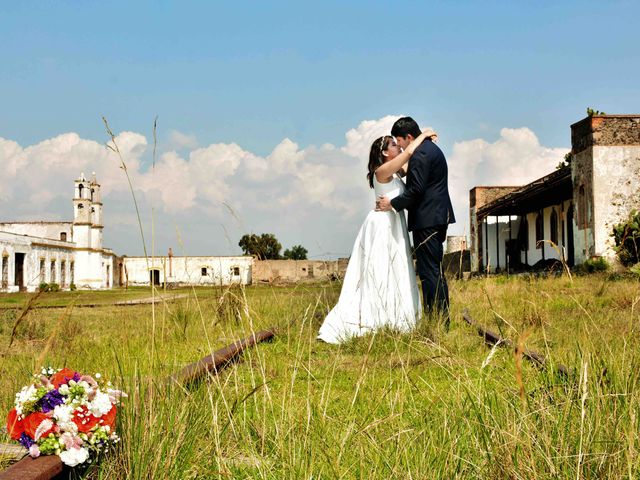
x=375 y=156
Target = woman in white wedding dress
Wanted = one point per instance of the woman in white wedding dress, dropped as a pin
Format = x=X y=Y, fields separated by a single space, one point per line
x=379 y=288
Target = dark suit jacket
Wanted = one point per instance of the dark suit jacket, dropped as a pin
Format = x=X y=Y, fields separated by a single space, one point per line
x=426 y=197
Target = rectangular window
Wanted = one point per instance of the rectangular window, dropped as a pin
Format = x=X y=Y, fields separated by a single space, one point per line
x=63 y=236
x=235 y=271
x=203 y=271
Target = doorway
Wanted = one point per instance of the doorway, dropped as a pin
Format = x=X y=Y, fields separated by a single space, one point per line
x=19 y=272
x=570 y=247
x=154 y=276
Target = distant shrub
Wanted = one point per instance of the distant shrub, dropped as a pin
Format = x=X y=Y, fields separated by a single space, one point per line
x=72 y=287
x=43 y=287
x=595 y=264
x=627 y=238
x=54 y=287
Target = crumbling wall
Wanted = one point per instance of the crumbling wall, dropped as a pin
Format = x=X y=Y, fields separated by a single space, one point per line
x=606 y=179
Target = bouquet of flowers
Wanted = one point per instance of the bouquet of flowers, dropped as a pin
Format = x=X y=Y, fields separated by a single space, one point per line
x=67 y=414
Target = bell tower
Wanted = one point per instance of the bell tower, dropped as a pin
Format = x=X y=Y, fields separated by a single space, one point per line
x=96 y=213
x=82 y=213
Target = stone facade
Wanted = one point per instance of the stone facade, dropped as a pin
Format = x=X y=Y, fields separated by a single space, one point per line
x=606 y=178
x=298 y=270
x=557 y=216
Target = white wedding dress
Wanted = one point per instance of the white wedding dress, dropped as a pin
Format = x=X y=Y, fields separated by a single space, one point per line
x=379 y=288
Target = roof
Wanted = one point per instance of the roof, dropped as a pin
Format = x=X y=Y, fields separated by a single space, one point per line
x=551 y=189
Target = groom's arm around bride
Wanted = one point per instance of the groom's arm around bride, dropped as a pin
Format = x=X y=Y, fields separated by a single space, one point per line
x=429 y=208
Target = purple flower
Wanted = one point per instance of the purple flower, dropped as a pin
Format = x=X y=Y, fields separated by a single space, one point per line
x=26 y=441
x=51 y=400
x=76 y=377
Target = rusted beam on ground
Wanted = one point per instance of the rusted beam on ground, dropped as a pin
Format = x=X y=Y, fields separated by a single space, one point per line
x=493 y=338
x=219 y=358
x=46 y=467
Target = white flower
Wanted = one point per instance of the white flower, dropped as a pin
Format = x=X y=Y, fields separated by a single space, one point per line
x=97 y=375
x=100 y=405
x=27 y=394
x=74 y=456
x=64 y=389
x=64 y=418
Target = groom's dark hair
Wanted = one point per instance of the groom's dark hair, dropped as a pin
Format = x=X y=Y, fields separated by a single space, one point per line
x=405 y=126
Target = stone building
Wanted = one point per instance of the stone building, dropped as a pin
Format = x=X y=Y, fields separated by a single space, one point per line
x=178 y=271
x=64 y=253
x=568 y=214
x=71 y=253
x=298 y=270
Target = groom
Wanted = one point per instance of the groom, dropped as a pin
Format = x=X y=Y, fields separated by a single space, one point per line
x=426 y=198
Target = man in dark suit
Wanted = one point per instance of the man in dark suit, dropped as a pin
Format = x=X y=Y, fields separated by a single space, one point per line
x=427 y=201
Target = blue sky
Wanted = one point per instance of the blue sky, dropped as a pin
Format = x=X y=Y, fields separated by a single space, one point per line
x=255 y=73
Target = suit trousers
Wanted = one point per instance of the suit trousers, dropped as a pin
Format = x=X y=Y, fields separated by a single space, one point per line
x=427 y=244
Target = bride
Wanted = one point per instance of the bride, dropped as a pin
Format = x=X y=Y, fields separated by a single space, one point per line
x=379 y=288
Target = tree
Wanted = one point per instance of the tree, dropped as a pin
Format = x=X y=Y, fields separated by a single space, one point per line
x=264 y=246
x=297 y=252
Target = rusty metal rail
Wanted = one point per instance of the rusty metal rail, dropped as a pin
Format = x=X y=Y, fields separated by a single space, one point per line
x=50 y=467
x=46 y=467
x=219 y=358
x=493 y=338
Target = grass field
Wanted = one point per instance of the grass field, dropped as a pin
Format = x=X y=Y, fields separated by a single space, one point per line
x=429 y=404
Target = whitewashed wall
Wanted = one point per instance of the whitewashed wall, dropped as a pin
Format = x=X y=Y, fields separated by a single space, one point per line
x=497 y=250
x=49 y=230
x=188 y=270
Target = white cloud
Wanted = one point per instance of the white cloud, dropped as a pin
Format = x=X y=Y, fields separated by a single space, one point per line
x=516 y=158
x=359 y=139
x=316 y=196
x=179 y=140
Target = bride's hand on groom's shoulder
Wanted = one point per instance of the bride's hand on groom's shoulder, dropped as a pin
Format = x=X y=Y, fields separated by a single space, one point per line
x=431 y=134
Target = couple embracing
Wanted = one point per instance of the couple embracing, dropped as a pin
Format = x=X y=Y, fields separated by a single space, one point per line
x=380 y=288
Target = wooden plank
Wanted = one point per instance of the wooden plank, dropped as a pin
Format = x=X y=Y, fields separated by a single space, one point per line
x=16 y=452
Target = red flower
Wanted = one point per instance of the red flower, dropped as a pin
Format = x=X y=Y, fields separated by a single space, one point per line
x=109 y=418
x=15 y=427
x=85 y=420
x=62 y=377
x=32 y=422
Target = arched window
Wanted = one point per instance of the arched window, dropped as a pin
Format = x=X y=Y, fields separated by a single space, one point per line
x=80 y=206
x=553 y=225
x=80 y=189
x=539 y=230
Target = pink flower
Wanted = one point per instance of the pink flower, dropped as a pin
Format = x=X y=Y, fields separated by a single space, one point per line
x=34 y=451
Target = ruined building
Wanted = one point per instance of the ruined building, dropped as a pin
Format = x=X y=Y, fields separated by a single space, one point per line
x=71 y=254
x=65 y=253
x=568 y=214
